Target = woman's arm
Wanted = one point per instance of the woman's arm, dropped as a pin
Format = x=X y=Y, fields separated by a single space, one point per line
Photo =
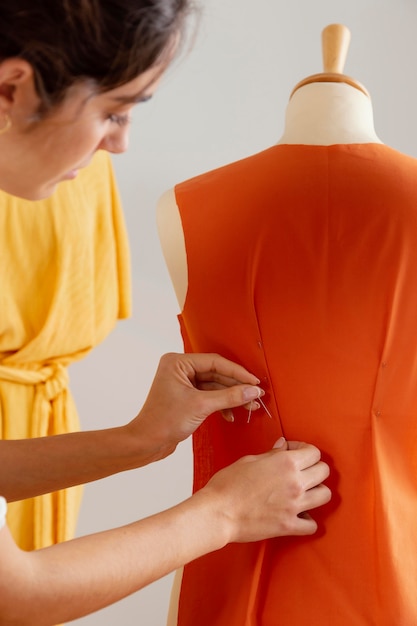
x=255 y=498
x=186 y=389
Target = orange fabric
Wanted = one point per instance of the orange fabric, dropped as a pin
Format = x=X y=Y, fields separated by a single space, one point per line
x=302 y=266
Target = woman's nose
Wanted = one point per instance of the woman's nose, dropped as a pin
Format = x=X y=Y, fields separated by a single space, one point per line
x=117 y=141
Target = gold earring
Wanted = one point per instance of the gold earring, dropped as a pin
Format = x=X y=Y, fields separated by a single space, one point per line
x=7 y=124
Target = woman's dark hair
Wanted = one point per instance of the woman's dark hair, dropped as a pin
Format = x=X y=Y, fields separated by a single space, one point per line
x=108 y=42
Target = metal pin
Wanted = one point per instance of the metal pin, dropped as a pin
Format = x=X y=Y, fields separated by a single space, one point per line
x=249 y=414
x=265 y=408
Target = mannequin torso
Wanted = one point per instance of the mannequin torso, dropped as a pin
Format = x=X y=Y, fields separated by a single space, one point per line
x=318 y=113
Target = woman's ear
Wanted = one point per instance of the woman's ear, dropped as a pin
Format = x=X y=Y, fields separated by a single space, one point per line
x=17 y=86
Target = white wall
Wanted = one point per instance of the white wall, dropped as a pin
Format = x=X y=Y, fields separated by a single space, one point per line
x=224 y=101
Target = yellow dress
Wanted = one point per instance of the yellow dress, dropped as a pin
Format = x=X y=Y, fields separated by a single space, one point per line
x=64 y=281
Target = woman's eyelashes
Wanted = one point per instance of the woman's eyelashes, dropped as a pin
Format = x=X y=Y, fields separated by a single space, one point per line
x=123 y=119
x=120 y=120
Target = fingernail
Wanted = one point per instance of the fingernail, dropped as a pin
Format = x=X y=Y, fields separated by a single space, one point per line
x=280 y=443
x=251 y=393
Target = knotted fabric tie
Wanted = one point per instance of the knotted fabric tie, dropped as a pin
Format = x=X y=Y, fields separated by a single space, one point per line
x=50 y=381
x=54 y=514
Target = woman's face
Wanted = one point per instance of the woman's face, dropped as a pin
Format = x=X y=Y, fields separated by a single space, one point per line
x=41 y=155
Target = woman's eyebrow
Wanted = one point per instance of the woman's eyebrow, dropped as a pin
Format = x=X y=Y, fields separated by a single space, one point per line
x=141 y=97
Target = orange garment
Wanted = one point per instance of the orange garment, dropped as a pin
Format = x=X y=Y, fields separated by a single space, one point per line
x=64 y=281
x=302 y=266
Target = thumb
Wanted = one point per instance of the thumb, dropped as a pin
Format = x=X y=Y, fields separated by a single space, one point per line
x=281 y=444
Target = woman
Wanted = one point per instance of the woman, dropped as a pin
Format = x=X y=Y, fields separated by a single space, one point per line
x=54 y=313
x=70 y=74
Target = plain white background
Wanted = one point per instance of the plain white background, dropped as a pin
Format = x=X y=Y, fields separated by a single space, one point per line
x=225 y=100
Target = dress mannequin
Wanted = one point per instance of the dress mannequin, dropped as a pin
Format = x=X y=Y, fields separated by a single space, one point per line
x=321 y=253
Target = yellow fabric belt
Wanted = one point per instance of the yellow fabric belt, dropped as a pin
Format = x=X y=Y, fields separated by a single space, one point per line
x=50 y=382
x=51 y=375
x=54 y=515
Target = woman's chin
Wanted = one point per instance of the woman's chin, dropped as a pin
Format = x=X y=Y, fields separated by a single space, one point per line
x=70 y=175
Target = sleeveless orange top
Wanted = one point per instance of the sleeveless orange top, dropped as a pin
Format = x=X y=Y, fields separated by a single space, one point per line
x=302 y=266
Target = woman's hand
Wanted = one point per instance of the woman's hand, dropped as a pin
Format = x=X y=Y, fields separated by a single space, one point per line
x=268 y=495
x=255 y=498
x=186 y=389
